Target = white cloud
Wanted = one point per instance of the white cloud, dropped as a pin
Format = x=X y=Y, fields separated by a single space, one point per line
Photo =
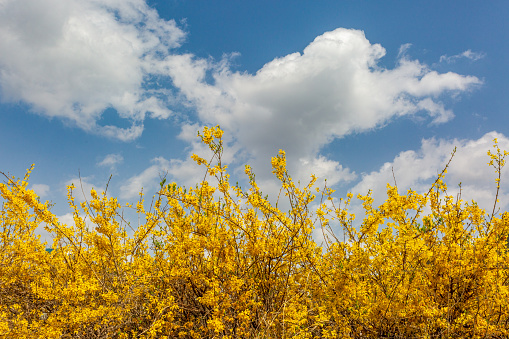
x=474 y=56
x=402 y=53
x=302 y=101
x=324 y=168
x=418 y=169
x=41 y=189
x=435 y=110
x=111 y=161
x=147 y=180
x=73 y=59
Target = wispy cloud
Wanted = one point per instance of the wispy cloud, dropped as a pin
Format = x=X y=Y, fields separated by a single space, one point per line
x=468 y=54
x=402 y=53
x=111 y=161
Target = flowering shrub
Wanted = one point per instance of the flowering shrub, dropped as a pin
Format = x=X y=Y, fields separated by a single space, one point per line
x=201 y=267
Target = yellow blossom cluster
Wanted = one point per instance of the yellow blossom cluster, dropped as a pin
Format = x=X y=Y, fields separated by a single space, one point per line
x=202 y=267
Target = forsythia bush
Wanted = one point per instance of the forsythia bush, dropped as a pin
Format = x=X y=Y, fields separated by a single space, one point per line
x=201 y=268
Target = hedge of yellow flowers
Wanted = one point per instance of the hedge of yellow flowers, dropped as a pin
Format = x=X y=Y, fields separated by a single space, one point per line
x=237 y=267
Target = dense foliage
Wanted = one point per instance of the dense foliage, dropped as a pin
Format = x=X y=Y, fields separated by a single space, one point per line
x=238 y=267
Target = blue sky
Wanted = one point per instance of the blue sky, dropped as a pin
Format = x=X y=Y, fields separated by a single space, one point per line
x=350 y=89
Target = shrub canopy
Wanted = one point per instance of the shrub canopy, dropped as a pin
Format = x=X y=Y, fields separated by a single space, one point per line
x=237 y=267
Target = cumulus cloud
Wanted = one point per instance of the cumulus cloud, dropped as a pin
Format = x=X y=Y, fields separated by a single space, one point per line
x=73 y=59
x=302 y=101
x=418 y=169
x=474 y=56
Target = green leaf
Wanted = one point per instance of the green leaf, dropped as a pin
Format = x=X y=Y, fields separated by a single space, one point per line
x=162 y=182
